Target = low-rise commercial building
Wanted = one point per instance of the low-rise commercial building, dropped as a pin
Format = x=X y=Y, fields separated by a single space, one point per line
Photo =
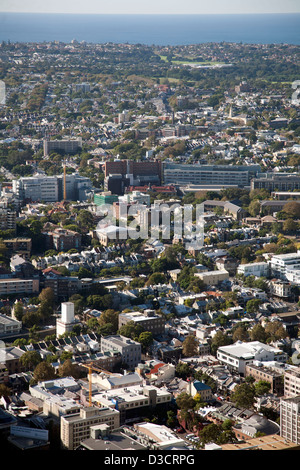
x=212 y=278
x=13 y=286
x=158 y=437
x=131 y=400
x=10 y=358
x=9 y=326
x=177 y=173
x=130 y=350
x=68 y=146
x=103 y=439
x=20 y=246
x=78 y=426
x=261 y=372
x=55 y=401
x=148 y=321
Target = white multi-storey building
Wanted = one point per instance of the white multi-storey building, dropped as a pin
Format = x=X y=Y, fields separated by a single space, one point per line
x=43 y=188
x=238 y=355
x=285 y=266
x=254 y=269
x=9 y=325
x=51 y=188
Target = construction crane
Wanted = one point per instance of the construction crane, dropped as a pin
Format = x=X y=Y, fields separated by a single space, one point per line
x=90 y=368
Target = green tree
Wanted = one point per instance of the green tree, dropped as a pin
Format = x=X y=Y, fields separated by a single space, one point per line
x=107 y=329
x=146 y=340
x=47 y=297
x=171 y=419
x=275 y=331
x=218 y=340
x=210 y=434
x=4 y=391
x=240 y=334
x=131 y=330
x=253 y=305
x=190 y=346
x=110 y=316
x=254 y=208
x=19 y=311
x=85 y=219
x=92 y=324
x=184 y=401
x=244 y=395
x=85 y=273
x=156 y=278
x=30 y=359
x=289 y=226
x=44 y=371
x=292 y=209
x=258 y=333
x=262 y=387
x=20 y=342
x=34 y=334
x=69 y=369
x=183 y=370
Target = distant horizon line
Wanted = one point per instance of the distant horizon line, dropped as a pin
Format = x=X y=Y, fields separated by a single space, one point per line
x=153 y=14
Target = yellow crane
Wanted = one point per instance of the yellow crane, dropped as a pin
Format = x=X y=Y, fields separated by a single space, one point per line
x=90 y=368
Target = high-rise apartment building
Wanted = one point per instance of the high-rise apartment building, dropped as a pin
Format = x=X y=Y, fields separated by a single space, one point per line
x=290 y=419
x=68 y=146
x=292 y=383
x=7 y=217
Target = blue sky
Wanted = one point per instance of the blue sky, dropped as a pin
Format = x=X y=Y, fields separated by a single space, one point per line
x=153 y=6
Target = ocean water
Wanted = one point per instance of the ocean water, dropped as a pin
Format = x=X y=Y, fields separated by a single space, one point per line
x=151 y=29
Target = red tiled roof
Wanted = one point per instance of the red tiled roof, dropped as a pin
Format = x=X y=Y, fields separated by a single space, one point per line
x=156 y=368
